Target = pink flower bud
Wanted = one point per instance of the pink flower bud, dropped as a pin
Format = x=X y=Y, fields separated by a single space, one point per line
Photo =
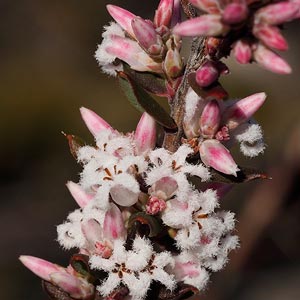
x=209 y=6
x=176 y=15
x=122 y=16
x=242 y=110
x=270 y=36
x=207 y=74
x=215 y=155
x=147 y=36
x=40 y=267
x=145 y=134
x=270 y=60
x=277 y=13
x=210 y=119
x=235 y=13
x=242 y=51
x=80 y=196
x=76 y=287
x=163 y=14
x=113 y=227
x=94 y=123
x=206 y=25
x=155 y=205
x=130 y=52
x=173 y=63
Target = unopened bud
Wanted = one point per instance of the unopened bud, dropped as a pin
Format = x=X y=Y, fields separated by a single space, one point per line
x=155 y=205
x=207 y=74
x=242 y=51
x=270 y=60
x=205 y=25
x=215 y=155
x=94 y=123
x=277 y=13
x=40 y=267
x=270 y=36
x=210 y=119
x=163 y=14
x=76 y=287
x=122 y=16
x=235 y=13
x=173 y=63
x=147 y=37
x=145 y=134
x=209 y=6
x=243 y=110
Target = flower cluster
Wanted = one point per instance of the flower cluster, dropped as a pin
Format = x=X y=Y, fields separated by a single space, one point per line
x=149 y=217
x=124 y=176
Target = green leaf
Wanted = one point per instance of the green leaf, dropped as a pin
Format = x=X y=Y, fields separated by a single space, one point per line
x=148 y=81
x=80 y=264
x=142 y=101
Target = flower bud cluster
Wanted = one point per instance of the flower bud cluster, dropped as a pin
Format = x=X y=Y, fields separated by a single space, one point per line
x=145 y=45
x=210 y=126
x=252 y=26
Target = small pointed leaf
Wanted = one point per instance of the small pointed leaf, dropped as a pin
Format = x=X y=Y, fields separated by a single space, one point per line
x=75 y=143
x=244 y=175
x=142 y=101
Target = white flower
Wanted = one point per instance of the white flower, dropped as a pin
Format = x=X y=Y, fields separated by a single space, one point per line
x=174 y=166
x=135 y=268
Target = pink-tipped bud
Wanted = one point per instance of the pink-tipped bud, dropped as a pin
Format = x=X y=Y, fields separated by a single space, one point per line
x=215 y=155
x=207 y=74
x=145 y=134
x=80 y=196
x=163 y=14
x=242 y=110
x=147 y=37
x=40 y=267
x=76 y=287
x=242 y=51
x=210 y=6
x=94 y=123
x=173 y=63
x=130 y=52
x=210 y=119
x=277 y=13
x=206 y=25
x=270 y=36
x=155 y=205
x=176 y=15
x=271 y=61
x=122 y=16
x=235 y=13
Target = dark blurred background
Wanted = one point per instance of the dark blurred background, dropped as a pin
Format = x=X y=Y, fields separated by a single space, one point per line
x=48 y=71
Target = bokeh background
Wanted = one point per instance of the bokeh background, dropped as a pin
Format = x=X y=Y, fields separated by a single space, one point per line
x=48 y=71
